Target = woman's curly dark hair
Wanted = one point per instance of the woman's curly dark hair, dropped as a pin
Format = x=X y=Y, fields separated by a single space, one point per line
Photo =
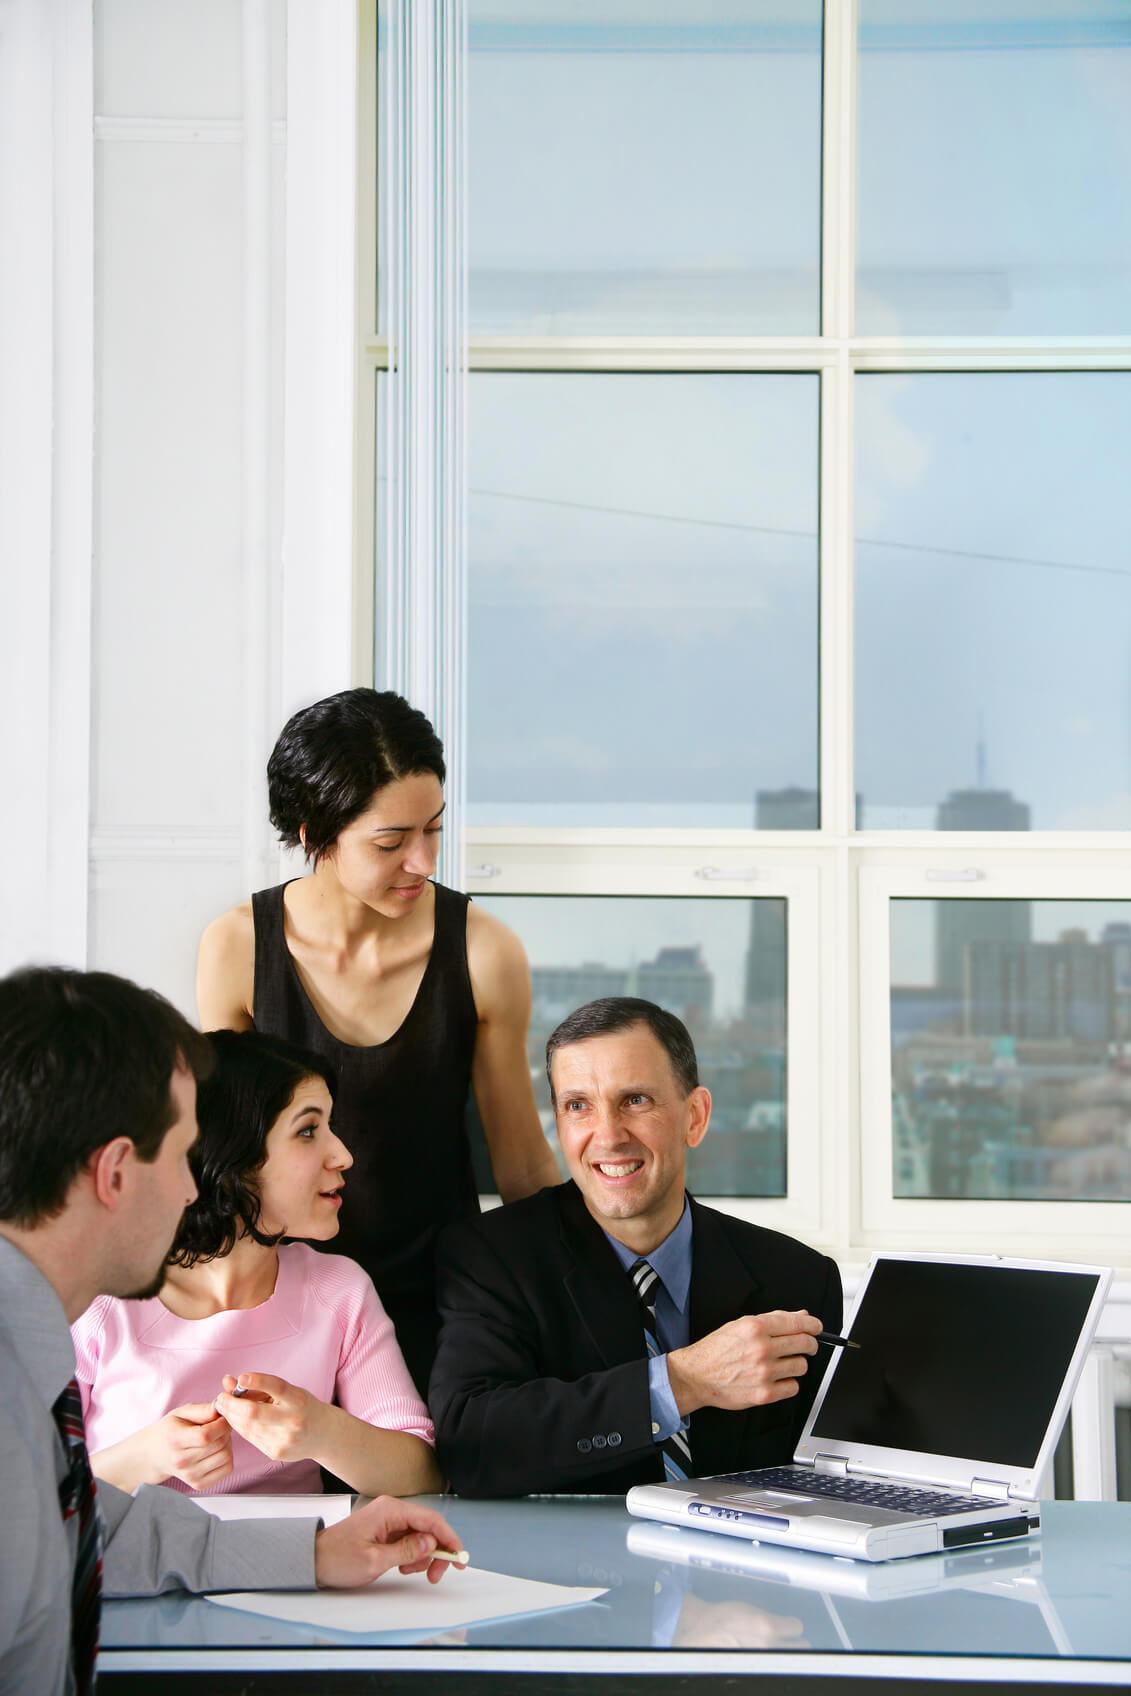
x=254 y=1078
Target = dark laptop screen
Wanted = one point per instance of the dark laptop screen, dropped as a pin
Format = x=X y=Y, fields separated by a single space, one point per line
x=957 y=1360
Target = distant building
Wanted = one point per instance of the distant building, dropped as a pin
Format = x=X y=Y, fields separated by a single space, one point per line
x=958 y=922
x=1040 y=991
x=982 y=809
x=787 y=809
x=1116 y=938
x=557 y=990
x=680 y=980
x=766 y=951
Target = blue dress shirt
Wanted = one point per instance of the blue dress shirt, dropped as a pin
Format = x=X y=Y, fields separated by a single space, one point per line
x=671 y=1262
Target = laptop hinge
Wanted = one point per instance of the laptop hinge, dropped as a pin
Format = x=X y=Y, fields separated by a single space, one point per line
x=990 y=1487
x=834 y=1464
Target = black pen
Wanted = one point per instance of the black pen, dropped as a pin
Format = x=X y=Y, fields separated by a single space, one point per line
x=836 y=1342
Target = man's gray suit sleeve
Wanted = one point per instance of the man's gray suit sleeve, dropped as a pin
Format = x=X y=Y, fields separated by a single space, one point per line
x=159 y=1540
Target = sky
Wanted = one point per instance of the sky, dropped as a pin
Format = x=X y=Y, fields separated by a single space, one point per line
x=643 y=596
x=643 y=592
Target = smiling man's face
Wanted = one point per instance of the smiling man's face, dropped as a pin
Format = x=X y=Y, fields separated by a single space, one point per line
x=625 y=1125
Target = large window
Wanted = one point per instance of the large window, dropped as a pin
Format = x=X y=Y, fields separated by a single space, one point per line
x=770 y=571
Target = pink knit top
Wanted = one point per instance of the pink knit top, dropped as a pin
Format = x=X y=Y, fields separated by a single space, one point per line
x=323 y=1328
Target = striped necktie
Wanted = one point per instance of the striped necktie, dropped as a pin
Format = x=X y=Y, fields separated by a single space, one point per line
x=76 y=1497
x=675 y=1449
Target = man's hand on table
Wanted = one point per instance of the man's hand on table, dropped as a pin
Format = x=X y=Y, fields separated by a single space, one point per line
x=383 y=1534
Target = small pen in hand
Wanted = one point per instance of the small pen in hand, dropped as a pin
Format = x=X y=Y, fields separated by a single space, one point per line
x=836 y=1342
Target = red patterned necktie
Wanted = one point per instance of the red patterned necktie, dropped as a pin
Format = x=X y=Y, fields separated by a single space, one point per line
x=76 y=1497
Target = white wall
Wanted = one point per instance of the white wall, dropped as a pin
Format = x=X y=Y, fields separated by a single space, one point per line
x=177 y=561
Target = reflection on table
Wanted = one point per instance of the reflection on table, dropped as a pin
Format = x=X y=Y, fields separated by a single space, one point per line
x=1065 y=1593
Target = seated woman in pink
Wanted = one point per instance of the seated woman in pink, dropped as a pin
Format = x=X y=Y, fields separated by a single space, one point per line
x=258 y=1360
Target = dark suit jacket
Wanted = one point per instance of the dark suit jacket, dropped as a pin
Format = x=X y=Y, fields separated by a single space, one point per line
x=541 y=1380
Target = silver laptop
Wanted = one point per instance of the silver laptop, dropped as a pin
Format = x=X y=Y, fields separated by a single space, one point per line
x=934 y=1433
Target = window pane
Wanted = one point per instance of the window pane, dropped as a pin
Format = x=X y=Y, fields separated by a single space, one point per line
x=993 y=170
x=993 y=601
x=720 y=965
x=642 y=636
x=644 y=170
x=1011 y=1049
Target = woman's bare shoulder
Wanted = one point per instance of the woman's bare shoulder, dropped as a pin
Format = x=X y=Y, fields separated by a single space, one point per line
x=491 y=940
x=496 y=960
x=234 y=929
x=225 y=970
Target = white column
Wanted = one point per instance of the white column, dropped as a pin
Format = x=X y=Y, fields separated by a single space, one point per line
x=421 y=619
x=1093 y=1429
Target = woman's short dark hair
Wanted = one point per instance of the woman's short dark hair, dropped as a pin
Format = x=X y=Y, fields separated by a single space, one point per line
x=619 y=1013
x=253 y=1079
x=333 y=757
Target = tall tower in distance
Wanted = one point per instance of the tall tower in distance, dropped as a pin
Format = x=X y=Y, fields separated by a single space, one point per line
x=766 y=951
x=982 y=808
x=958 y=922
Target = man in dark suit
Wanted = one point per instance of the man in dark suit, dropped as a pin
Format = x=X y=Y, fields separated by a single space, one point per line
x=554 y=1372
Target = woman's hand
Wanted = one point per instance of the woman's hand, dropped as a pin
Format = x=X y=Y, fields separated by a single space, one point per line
x=287 y=1423
x=281 y=1420
x=192 y=1443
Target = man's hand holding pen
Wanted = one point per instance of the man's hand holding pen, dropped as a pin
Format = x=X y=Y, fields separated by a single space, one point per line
x=749 y=1362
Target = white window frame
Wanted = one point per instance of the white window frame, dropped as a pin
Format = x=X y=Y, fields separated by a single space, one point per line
x=700 y=865
x=837 y=880
x=1095 y=1230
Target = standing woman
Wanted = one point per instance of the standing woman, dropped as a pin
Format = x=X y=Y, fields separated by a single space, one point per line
x=410 y=991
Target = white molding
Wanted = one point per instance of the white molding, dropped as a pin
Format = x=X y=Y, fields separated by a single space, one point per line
x=114 y=847
x=648 y=353
x=72 y=562
x=1039 y=848
x=318 y=504
x=259 y=609
x=226 y=132
x=46 y=436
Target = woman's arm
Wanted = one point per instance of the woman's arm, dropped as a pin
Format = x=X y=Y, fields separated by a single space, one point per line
x=225 y=972
x=192 y=1443
x=521 y=1158
x=287 y=1423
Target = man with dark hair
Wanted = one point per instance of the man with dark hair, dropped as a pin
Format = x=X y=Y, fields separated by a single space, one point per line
x=97 y=1116
x=613 y=1331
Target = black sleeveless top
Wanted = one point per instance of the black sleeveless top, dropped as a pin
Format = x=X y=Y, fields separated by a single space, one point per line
x=400 y=1109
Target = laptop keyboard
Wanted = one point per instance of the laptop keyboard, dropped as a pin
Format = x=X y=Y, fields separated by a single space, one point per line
x=901 y=1498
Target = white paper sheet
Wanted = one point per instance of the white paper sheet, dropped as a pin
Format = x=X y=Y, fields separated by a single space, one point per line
x=330 y=1509
x=409 y=1603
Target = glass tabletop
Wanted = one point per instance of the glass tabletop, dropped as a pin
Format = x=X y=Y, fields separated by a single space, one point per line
x=1065 y=1592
